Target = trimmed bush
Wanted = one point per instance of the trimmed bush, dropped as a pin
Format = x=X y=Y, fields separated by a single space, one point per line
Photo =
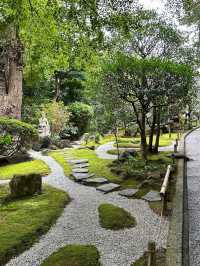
x=25 y=185
x=15 y=135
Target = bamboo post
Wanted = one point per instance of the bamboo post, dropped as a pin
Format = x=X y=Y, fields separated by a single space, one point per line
x=152 y=253
x=175 y=148
x=164 y=204
x=163 y=191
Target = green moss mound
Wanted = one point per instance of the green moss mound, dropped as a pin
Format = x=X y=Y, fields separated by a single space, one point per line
x=74 y=255
x=115 y=218
x=23 y=221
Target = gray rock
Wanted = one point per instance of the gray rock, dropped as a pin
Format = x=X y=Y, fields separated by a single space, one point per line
x=78 y=161
x=128 y=192
x=98 y=180
x=80 y=177
x=152 y=196
x=80 y=170
x=108 y=187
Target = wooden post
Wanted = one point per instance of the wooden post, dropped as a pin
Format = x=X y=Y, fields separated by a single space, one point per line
x=175 y=148
x=152 y=253
x=177 y=142
x=164 y=204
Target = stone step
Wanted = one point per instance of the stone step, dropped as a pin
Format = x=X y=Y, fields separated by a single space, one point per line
x=128 y=192
x=81 y=161
x=80 y=170
x=152 y=196
x=95 y=181
x=81 y=165
x=106 y=188
x=80 y=177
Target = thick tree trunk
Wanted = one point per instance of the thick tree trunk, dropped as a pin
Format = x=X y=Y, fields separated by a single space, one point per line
x=11 y=78
x=143 y=137
x=157 y=132
x=152 y=131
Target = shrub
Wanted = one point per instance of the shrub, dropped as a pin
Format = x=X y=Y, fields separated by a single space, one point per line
x=80 y=117
x=15 y=135
x=25 y=185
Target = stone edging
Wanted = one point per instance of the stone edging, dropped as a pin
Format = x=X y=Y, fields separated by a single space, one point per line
x=178 y=238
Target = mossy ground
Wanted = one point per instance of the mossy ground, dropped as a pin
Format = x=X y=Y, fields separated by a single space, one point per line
x=115 y=218
x=29 y=167
x=22 y=221
x=74 y=255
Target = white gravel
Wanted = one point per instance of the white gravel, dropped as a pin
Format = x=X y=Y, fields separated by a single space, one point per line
x=79 y=224
x=102 y=150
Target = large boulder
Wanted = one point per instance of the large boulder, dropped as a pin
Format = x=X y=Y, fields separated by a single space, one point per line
x=25 y=185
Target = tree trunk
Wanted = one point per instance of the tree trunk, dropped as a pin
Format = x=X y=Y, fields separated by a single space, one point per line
x=152 y=130
x=143 y=137
x=11 y=78
x=117 y=142
x=157 y=132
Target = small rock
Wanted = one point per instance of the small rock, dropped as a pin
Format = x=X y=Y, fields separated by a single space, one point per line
x=152 y=196
x=108 y=187
x=128 y=192
x=4 y=182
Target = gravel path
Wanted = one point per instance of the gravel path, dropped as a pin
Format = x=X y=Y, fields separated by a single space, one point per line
x=79 y=225
x=193 y=179
x=102 y=151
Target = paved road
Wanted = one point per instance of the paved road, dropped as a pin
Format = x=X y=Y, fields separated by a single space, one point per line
x=79 y=224
x=193 y=178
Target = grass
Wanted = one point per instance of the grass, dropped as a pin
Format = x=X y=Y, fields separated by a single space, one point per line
x=127 y=145
x=24 y=220
x=100 y=167
x=115 y=218
x=34 y=166
x=74 y=255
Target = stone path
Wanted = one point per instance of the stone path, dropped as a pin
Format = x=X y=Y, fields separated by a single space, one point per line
x=79 y=224
x=193 y=179
x=4 y=182
x=102 y=150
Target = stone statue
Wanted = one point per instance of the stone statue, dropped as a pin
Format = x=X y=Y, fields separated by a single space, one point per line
x=44 y=128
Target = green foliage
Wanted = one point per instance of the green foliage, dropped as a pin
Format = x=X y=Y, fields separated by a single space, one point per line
x=15 y=135
x=72 y=255
x=18 y=232
x=81 y=115
x=115 y=218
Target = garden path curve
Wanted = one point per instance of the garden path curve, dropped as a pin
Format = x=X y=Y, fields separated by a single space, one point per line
x=79 y=224
x=102 y=150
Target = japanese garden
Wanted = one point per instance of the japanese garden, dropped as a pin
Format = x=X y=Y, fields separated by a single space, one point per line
x=99 y=133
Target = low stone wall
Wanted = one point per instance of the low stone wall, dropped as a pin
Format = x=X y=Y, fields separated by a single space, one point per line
x=178 y=238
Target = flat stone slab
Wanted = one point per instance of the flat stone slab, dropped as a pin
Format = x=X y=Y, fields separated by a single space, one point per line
x=4 y=182
x=98 y=180
x=81 y=165
x=108 y=187
x=78 y=161
x=152 y=196
x=80 y=170
x=80 y=177
x=128 y=192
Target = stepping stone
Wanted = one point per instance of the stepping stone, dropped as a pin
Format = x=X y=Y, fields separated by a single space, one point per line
x=4 y=182
x=80 y=170
x=108 y=187
x=98 y=180
x=78 y=161
x=81 y=177
x=152 y=196
x=82 y=165
x=128 y=192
